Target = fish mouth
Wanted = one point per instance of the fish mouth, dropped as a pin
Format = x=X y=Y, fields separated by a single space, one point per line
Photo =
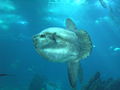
x=40 y=42
x=35 y=43
x=34 y=36
x=35 y=40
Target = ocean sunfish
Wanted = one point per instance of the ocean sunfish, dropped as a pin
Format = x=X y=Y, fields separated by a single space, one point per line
x=68 y=45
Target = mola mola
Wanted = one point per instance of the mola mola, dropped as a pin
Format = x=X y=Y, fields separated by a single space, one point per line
x=69 y=45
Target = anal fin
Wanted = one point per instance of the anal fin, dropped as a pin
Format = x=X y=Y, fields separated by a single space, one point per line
x=75 y=72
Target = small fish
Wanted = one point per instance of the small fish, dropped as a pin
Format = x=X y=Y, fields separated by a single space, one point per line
x=3 y=74
x=103 y=4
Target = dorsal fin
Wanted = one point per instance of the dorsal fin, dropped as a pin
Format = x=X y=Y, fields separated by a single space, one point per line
x=70 y=25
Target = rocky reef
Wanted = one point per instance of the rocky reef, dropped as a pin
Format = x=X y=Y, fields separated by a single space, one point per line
x=97 y=83
x=37 y=83
x=41 y=83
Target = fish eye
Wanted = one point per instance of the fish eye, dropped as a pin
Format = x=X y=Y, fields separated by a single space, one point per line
x=42 y=35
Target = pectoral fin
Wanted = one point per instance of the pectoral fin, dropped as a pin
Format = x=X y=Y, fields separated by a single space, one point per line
x=74 y=73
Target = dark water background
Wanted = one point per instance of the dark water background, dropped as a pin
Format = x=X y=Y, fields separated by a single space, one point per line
x=19 y=59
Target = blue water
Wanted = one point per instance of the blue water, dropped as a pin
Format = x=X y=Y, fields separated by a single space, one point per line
x=21 y=19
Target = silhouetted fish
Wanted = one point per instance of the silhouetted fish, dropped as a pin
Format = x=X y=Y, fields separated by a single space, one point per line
x=3 y=74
